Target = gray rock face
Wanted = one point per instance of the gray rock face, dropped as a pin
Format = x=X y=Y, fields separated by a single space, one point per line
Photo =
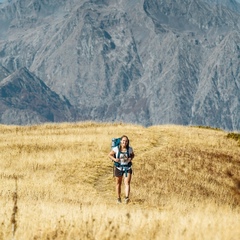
x=25 y=99
x=140 y=61
x=3 y=72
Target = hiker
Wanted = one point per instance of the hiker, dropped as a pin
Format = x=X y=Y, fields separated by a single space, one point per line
x=122 y=156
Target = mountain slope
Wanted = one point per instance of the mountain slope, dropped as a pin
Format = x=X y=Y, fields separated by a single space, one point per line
x=25 y=99
x=148 y=62
x=3 y=73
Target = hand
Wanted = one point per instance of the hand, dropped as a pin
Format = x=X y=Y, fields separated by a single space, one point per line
x=117 y=160
x=129 y=159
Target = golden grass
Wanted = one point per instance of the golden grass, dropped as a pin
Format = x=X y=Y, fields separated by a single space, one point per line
x=186 y=183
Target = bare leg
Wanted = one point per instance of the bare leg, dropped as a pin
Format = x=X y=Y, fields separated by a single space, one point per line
x=127 y=181
x=118 y=186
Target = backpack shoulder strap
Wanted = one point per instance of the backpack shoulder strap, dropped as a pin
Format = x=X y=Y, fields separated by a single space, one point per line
x=118 y=153
x=128 y=152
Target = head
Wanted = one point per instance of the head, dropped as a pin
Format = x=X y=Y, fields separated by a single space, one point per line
x=125 y=141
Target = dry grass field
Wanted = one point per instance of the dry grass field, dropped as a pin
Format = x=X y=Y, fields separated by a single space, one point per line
x=56 y=182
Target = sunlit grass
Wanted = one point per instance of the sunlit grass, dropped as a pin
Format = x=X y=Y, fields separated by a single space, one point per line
x=185 y=185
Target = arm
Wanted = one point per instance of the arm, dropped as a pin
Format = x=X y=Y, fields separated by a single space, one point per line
x=131 y=156
x=111 y=155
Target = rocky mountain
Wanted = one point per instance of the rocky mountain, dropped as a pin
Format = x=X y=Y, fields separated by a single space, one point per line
x=25 y=99
x=3 y=72
x=231 y=4
x=140 y=61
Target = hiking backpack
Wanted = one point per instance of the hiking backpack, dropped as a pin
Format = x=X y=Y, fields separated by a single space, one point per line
x=116 y=143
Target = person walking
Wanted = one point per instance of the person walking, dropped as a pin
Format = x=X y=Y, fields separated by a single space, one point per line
x=122 y=156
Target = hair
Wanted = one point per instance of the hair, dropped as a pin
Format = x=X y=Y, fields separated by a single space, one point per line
x=124 y=136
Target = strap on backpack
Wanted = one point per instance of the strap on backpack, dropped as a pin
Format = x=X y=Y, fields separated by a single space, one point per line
x=124 y=168
x=118 y=156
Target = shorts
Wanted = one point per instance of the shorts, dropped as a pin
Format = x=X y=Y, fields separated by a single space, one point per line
x=119 y=173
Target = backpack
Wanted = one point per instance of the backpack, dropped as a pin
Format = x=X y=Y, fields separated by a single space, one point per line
x=116 y=143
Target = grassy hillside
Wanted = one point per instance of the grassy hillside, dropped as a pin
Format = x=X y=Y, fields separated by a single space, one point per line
x=56 y=183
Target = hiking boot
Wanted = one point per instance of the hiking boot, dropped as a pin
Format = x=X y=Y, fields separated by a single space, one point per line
x=126 y=200
x=119 y=200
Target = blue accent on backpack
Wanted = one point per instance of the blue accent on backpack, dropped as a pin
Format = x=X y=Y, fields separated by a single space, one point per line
x=115 y=142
